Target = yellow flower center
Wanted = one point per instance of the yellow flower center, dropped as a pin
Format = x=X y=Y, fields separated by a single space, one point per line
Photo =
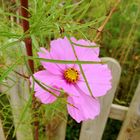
x=71 y=75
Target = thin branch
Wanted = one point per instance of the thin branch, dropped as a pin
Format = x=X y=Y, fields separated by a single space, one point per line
x=100 y=29
x=28 y=44
x=22 y=75
x=25 y=24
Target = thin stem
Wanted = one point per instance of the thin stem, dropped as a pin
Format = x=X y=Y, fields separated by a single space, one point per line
x=100 y=29
x=25 y=24
x=28 y=44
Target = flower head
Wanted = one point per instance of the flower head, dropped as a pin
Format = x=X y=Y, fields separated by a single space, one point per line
x=70 y=78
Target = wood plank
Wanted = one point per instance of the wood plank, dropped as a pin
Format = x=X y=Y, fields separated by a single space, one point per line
x=118 y=112
x=93 y=129
x=56 y=130
x=2 y=136
x=19 y=98
x=19 y=95
x=131 y=127
x=61 y=131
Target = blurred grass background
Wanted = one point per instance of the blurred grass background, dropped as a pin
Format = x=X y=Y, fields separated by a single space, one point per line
x=50 y=19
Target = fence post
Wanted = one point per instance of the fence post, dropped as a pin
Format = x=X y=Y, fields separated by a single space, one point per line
x=93 y=129
x=2 y=136
x=56 y=130
x=131 y=126
x=18 y=94
x=19 y=100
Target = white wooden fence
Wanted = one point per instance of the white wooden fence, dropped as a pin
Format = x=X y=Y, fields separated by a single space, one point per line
x=90 y=130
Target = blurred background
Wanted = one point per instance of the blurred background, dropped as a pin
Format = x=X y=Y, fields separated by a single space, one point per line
x=51 y=19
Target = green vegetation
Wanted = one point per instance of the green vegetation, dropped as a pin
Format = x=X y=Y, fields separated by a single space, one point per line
x=51 y=19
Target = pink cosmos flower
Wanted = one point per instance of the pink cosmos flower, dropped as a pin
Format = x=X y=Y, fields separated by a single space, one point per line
x=69 y=77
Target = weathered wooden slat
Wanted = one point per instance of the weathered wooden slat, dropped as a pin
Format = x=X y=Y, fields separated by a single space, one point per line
x=19 y=97
x=56 y=129
x=61 y=131
x=118 y=112
x=2 y=136
x=93 y=129
x=131 y=127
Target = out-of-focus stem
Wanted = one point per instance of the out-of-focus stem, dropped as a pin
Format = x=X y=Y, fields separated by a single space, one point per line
x=100 y=29
x=28 y=44
x=25 y=24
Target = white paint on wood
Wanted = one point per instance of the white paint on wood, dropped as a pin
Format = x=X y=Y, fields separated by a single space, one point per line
x=118 y=112
x=131 y=127
x=19 y=96
x=2 y=136
x=93 y=129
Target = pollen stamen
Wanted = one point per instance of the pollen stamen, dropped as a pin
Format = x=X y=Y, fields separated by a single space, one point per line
x=71 y=75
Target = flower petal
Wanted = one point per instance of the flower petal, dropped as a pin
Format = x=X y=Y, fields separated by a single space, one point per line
x=99 y=79
x=45 y=77
x=46 y=97
x=61 y=49
x=84 y=107
x=48 y=79
x=86 y=53
x=51 y=67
